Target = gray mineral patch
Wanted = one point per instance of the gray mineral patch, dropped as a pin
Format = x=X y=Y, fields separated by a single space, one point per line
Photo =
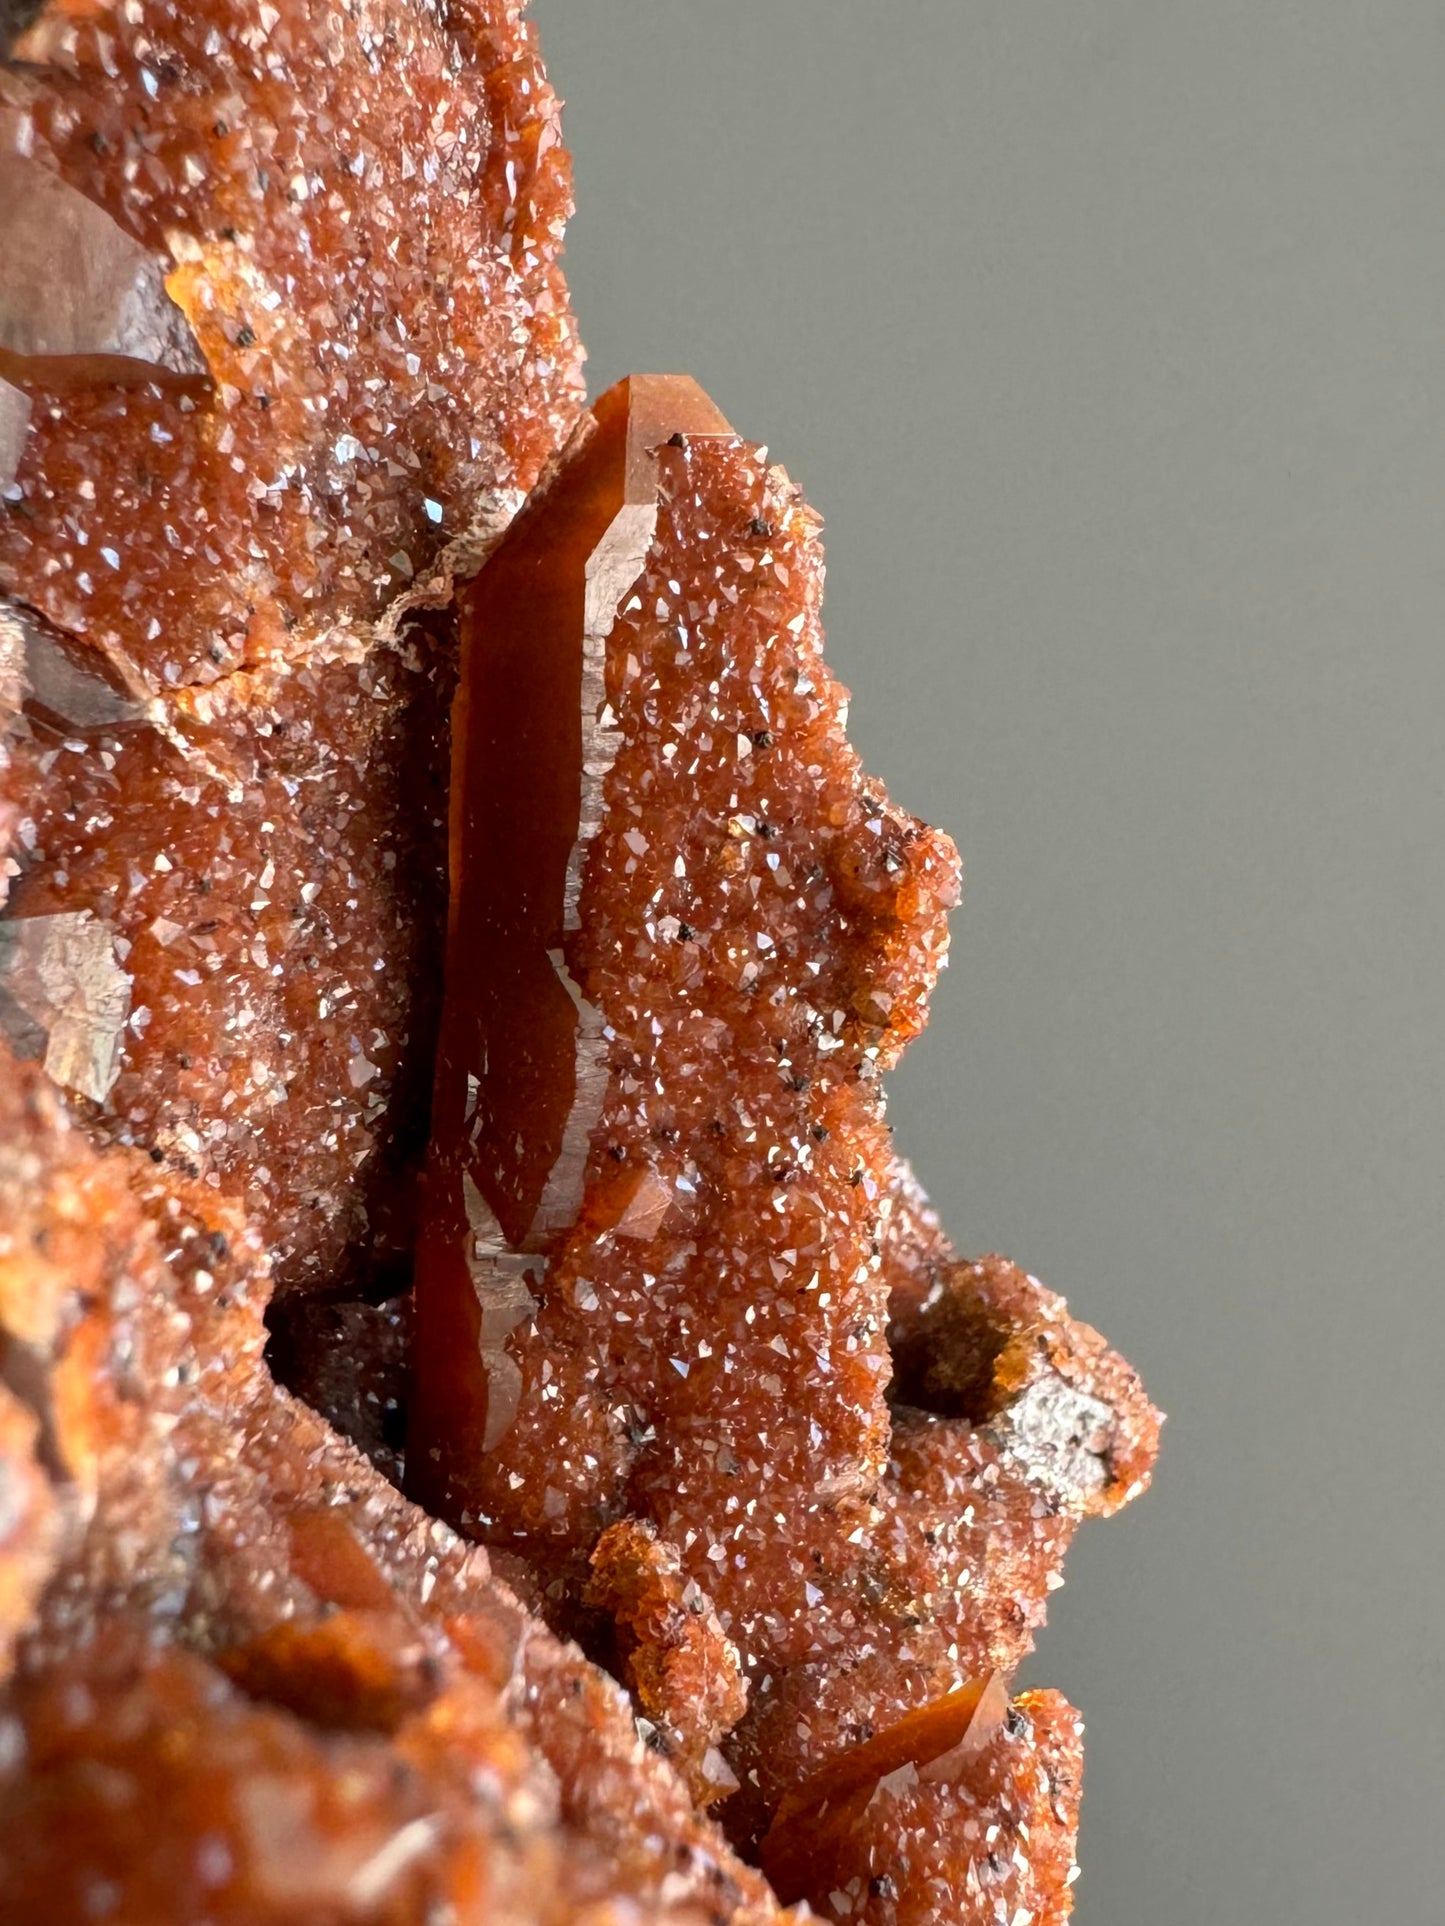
x=64 y=998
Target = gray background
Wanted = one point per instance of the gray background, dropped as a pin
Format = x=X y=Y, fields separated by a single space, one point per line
x=1110 y=339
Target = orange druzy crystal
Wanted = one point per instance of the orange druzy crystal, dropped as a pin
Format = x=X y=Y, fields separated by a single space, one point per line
x=449 y=957
x=664 y=1231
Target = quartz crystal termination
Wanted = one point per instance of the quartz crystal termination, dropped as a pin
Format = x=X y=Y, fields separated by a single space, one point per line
x=664 y=1234
x=633 y=911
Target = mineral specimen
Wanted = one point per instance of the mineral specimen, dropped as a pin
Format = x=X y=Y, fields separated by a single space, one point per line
x=357 y=214
x=261 y=1686
x=272 y=902
x=663 y=1230
x=358 y=217
x=284 y=345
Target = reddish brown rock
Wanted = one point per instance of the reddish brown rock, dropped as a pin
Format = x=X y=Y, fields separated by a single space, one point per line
x=665 y=1088
x=985 y=1342
x=813 y=1827
x=982 y=1838
x=664 y=1234
x=683 y=1670
x=253 y=872
x=212 y=1527
x=693 y=1356
x=357 y=216
x=261 y=1818
x=223 y=760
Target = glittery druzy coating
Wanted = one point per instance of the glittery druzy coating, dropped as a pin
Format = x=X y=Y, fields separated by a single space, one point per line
x=692 y=1355
x=361 y=212
x=754 y=934
x=664 y=1231
x=360 y=215
x=254 y=1683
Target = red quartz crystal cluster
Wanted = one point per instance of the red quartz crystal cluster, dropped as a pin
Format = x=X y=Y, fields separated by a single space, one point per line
x=464 y=940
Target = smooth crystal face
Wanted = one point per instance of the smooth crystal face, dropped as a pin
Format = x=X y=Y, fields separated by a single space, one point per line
x=14 y=421
x=83 y=303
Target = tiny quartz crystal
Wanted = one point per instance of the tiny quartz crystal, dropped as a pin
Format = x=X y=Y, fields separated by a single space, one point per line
x=490 y=1429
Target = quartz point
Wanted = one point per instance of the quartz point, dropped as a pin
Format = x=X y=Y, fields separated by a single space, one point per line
x=65 y=998
x=81 y=301
x=521 y=1061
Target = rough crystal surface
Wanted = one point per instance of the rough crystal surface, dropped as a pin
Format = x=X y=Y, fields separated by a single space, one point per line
x=360 y=217
x=359 y=214
x=755 y=933
x=693 y=1356
x=683 y=1669
x=687 y=935
x=322 y=1701
x=274 y=902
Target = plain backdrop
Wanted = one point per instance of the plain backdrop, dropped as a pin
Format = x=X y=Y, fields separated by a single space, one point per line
x=1109 y=337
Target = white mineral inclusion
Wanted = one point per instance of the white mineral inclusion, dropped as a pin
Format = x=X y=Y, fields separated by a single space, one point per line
x=1061 y=1435
x=65 y=998
x=500 y=1278
x=14 y=422
x=612 y=568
